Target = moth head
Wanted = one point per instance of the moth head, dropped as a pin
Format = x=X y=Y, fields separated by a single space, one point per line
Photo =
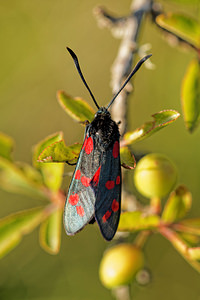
x=102 y=111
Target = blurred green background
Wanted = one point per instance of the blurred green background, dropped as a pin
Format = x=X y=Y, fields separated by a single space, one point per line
x=34 y=65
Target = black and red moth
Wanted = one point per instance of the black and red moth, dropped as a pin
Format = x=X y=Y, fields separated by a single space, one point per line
x=95 y=189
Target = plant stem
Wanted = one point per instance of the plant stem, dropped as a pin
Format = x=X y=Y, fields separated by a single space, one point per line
x=141 y=238
x=122 y=293
x=180 y=246
x=155 y=205
x=130 y=27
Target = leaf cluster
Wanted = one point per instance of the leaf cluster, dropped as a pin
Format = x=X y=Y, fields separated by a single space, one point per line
x=184 y=31
x=171 y=222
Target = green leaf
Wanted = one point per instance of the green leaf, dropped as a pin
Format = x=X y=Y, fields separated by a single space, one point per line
x=194 y=253
x=137 y=220
x=194 y=222
x=6 y=146
x=127 y=158
x=59 y=152
x=15 y=180
x=191 y=239
x=13 y=227
x=190 y=95
x=178 y=204
x=161 y=119
x=182 y=26
x=190 y=226
x=77 y=108
x=49 y=140
x=52 y=173
x=50 y=232
x=30 y=172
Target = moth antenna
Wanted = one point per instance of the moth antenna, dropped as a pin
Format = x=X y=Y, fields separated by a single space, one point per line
x=75 y=58
x=129 y=77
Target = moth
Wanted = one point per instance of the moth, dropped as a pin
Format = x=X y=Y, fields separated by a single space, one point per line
x=95 y=190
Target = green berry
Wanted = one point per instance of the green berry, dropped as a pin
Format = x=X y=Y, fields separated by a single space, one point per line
x=155 y=175
x=120 y=264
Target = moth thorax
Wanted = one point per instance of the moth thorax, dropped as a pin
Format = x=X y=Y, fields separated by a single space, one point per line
x=104 y=130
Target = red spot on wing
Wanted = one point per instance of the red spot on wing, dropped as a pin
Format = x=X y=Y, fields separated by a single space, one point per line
x=115 y=205
x=85 y=181
x=78 y=174
x=73 y=199
x=80 y=211
x=106 y=216
x=95 y=178
x=115 y=151
x=118 y=179
x=110 y=184
x=89 y=145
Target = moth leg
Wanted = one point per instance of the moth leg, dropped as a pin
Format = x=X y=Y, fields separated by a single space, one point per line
x=92 y=221
x=86 y=122
x=70 y=164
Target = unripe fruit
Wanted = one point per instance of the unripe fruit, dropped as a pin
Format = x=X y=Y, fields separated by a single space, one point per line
x=155 y=175
x=120 y=264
